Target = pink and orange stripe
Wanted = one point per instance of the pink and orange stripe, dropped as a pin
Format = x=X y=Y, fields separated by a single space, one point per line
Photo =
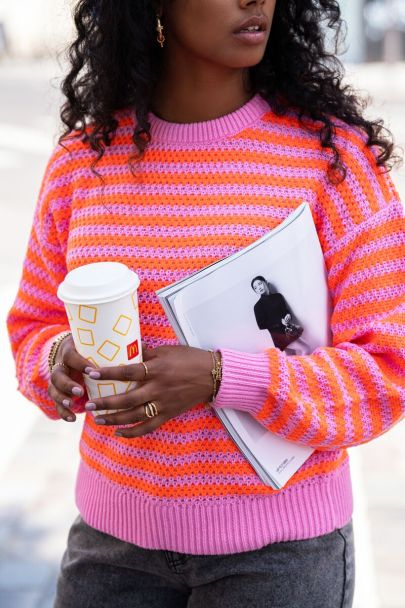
x=203 y=191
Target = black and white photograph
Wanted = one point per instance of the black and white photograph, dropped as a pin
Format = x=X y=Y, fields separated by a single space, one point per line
x=273 y=313
x=233 y=302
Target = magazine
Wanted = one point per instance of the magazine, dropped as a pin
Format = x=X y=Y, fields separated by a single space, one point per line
x=272 y=293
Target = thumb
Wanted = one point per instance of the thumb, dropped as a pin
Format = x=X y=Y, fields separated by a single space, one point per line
x=73 y=359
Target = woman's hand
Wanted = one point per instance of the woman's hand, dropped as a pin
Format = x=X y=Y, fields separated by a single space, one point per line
x=66 y=379
x=177 y=378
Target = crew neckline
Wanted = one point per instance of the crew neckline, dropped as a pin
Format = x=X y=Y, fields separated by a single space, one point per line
x=208 y=130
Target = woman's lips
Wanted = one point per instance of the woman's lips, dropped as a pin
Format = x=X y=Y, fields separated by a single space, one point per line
x=251 y=37
x=252 y=30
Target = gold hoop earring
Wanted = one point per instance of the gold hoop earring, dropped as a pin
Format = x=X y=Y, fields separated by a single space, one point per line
x=159 y=28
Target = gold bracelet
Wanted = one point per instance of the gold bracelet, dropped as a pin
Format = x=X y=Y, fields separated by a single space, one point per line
x=54 y=349
x=216 y=374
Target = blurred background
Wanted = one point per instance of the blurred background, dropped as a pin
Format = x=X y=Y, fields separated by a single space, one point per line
x=38 y=457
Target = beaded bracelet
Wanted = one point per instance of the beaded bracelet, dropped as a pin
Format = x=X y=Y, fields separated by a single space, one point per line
x=54 y=349
x=216 y=373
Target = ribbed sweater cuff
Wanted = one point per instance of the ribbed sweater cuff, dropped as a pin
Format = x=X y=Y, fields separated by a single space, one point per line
x=245 y=381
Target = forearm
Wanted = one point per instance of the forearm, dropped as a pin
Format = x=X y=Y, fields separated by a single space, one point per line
x=31 y=359
x=336 y=397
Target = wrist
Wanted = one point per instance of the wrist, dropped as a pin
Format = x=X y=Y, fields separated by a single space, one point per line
x=55 y=350
x=216 y=373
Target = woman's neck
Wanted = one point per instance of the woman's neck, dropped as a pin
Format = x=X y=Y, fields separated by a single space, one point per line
x=198 y=94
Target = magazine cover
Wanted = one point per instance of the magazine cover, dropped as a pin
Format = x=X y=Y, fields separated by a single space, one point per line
x=273 y=293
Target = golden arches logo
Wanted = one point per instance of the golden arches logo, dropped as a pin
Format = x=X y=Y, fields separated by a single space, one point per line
x=133 y=350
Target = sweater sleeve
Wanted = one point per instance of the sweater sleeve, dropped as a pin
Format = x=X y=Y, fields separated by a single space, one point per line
x=354 y=390
x=37 y=316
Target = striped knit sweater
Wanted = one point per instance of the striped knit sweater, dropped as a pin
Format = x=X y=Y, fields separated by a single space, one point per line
x=203 y=191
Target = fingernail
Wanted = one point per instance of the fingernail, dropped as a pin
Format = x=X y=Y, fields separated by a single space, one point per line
x=66 y=402
x=87 y=370
x=90 y=406
x=95 y=375
x=118 y=434
x=99 y=420
x=70 y=418
x=77 y=390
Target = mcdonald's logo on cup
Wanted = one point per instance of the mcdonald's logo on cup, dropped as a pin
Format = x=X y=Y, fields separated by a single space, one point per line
x=133 y=350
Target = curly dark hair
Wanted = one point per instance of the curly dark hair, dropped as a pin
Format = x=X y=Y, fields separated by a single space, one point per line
x=115 y=63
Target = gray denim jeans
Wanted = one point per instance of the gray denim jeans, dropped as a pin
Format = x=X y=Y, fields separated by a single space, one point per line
x=100 y=571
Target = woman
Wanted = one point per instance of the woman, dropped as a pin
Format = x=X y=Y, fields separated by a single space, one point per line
x=272 y=313
x=192 y=128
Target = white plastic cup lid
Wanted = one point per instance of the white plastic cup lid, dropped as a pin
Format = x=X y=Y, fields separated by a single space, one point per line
x=97 y=283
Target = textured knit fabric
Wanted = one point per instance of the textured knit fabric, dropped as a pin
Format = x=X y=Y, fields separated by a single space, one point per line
x=203 y=191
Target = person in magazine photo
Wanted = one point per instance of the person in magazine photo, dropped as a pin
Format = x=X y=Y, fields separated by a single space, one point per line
x=272 y=313
x=190 y=129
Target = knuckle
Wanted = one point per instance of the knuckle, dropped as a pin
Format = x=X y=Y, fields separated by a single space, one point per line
x=141 y=416
x=106 y=404
x=58 y=381
x=65 y=384
x=127 y=374
x=111 y=402
x=58 y=401
x=52 y=392
x=159 y=366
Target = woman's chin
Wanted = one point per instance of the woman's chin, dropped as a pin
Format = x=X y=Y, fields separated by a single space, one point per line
x=246 y=57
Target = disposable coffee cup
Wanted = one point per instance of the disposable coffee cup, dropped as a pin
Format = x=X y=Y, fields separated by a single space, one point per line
x=101 y=302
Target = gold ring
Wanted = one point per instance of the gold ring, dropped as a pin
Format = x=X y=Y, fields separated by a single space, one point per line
x=146 y=368
x=151 y=410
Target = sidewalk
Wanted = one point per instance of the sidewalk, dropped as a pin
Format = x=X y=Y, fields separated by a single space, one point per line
x=36 y=511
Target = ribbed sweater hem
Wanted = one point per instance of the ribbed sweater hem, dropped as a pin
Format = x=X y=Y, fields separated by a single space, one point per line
x=225 y=526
